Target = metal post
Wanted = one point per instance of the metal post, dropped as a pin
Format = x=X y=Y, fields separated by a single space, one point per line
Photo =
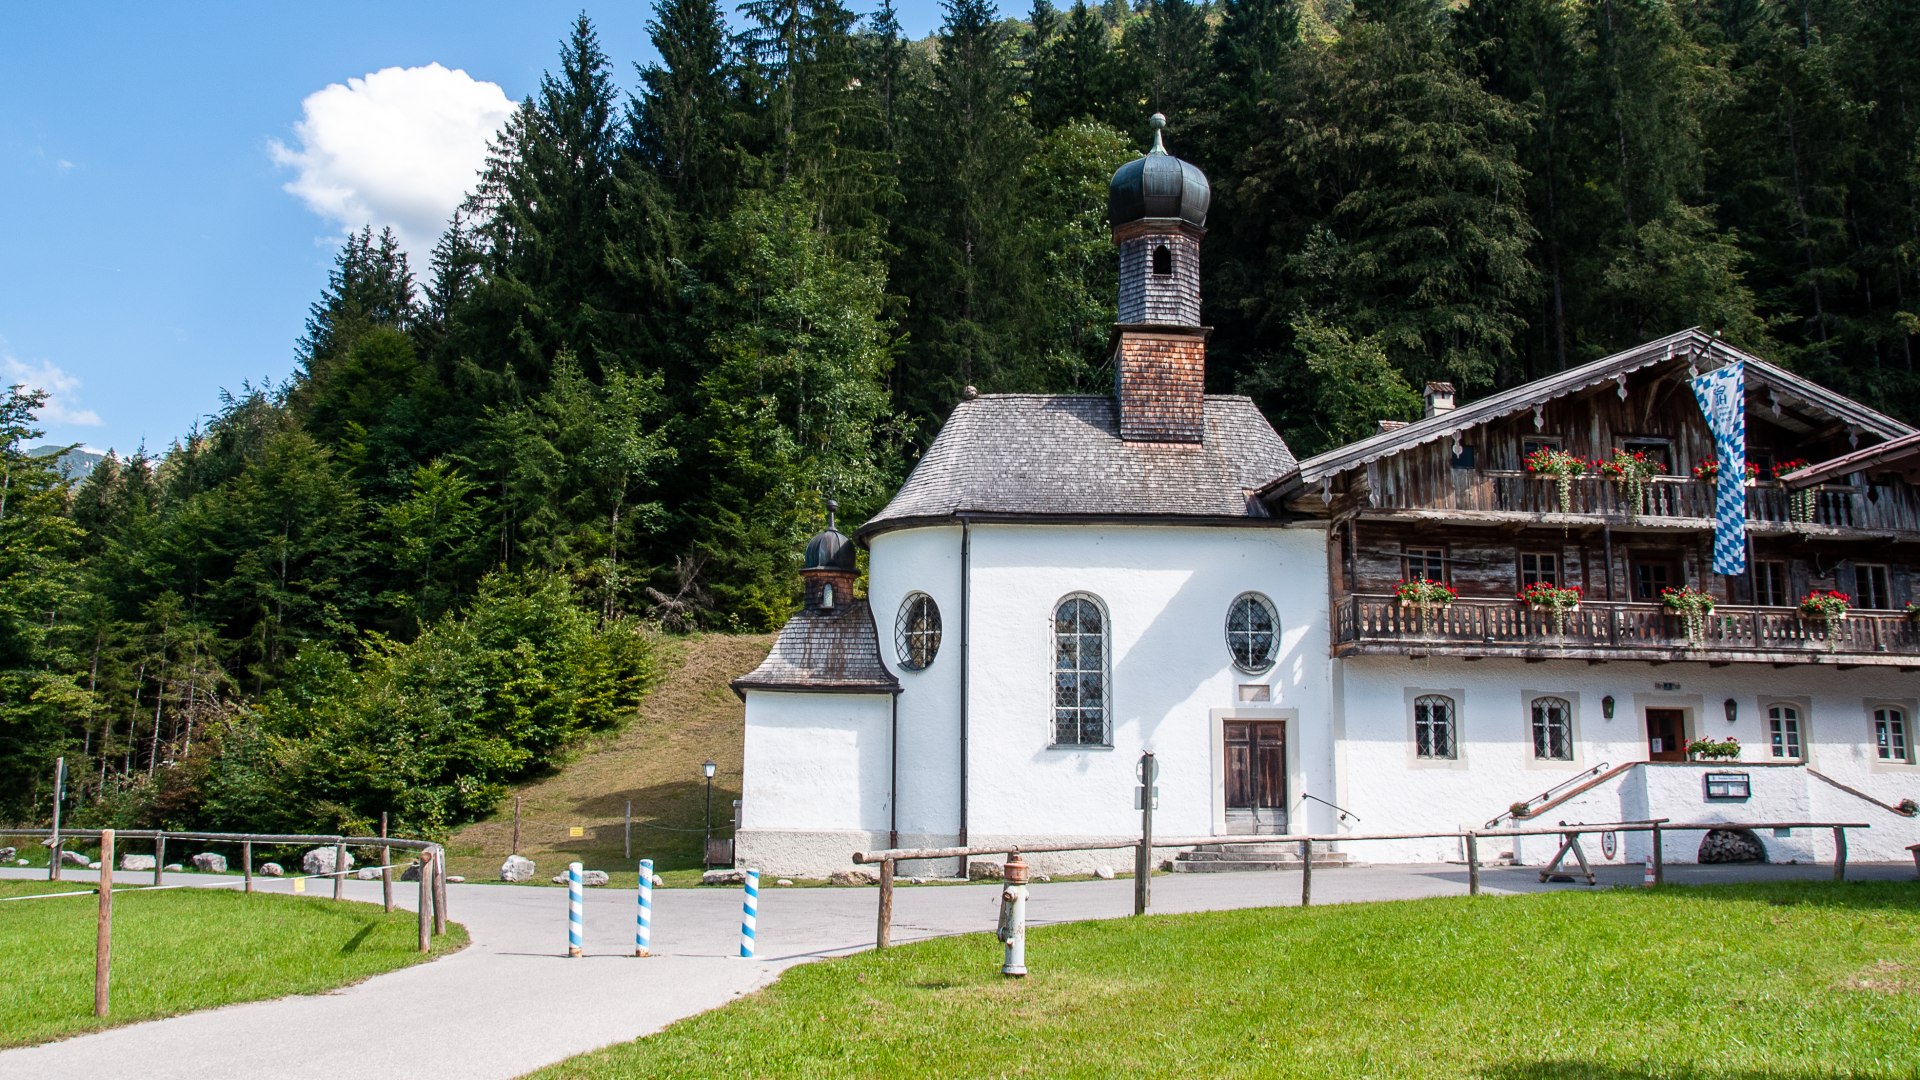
x=1306 y=873
x=1143 y=859
x=339 y=869
x=1473 y=863
x=643 y=922
x=159 y=857
x=883 y=934
x=1659 y=858
x=386 y=867
x=706 y=852
x=426 y=900
x=576 y=910
x=626 y=833
x=749 y=912
x=516 y=825
x=103 y=933
x=246 y=858
x=53 y=845
x=1839 y=853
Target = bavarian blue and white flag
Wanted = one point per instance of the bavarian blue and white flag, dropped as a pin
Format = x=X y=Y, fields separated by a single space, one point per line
x=1723 y=400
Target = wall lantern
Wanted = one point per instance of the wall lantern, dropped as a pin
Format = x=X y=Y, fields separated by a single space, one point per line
x=1733 y=710
x=1606 y=706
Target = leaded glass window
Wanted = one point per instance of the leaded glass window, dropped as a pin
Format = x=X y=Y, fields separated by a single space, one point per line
x=1433 y=726
x=1253 y=632
x=916 y=633
x=1080 y=699
x=1552 y=729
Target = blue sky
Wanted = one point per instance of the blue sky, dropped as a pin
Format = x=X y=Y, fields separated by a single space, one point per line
x=150 y=252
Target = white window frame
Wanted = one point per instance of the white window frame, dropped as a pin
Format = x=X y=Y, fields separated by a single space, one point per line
x=1261 y=664
x=1104 y=672
x=1796 y=750
x=1898 y=748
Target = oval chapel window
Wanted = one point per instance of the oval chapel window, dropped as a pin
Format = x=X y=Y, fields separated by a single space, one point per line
x=1253 y=632
x=916 y=633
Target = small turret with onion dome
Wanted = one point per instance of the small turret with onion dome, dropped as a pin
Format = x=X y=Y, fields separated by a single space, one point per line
x=830 y=566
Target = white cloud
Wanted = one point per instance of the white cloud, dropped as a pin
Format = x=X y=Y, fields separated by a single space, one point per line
x=399 y=147
x=61 y=388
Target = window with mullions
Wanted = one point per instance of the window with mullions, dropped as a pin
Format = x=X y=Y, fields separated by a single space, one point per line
x=1890 y=734
x=916 y=632
x=1253 y=632
x=1552 y=729
x=1871 y=586
x=1539 y=567
x=1433 y=727
x=1770 y=584
x=1783 y=731
x=1428 y=563
x=1080 y=699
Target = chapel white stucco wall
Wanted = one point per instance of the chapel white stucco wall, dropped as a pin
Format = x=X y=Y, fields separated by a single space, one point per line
x=814 y=782
x=1392 y=790
x=1166 y=591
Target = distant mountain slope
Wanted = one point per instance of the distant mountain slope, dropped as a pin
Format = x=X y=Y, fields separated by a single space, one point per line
x=75 y=461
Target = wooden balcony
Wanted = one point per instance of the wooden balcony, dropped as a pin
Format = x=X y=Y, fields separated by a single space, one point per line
x=1599 y=630
x=1666 y=502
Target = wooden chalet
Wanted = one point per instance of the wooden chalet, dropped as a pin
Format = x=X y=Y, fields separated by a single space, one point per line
x=1447 y=498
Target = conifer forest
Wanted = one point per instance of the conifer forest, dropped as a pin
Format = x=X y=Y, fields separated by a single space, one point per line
x=688 y=301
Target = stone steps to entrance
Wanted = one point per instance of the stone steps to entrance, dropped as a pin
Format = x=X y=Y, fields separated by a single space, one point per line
x=1228 y=858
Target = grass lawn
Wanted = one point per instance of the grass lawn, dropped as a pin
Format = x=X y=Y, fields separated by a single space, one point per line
x=184 y=949
x=1798 y=981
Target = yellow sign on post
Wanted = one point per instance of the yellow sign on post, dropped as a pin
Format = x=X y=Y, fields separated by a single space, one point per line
x=576 y=831
x=299 y=884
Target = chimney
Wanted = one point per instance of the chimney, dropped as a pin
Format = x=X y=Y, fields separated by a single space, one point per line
x=1158 y=207
x=1439 y=397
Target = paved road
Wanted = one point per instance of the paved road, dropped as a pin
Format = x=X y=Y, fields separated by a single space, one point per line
x=513 y=1001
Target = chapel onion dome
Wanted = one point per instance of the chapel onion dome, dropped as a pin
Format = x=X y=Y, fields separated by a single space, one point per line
x=1158 y=185
x=830 y=549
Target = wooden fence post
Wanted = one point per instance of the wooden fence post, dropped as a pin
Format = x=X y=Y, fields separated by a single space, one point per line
x=1839 y=853
x=883 y=934
x=1306 y=873
x=1659 y=858
x=159 y=857
x=426 y=900
x=386 y=867
x=1473 y=863
x=439 y=891
x=103 y=933
x=246 y=859
x=516 y=826
x=339 y=868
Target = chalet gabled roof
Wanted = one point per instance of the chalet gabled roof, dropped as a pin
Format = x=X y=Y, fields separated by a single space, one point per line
x=1042 y=457
x=1704 y=349
x=832 y=651
x=1905 y=451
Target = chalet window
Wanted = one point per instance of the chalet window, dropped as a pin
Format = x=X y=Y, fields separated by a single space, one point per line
x=1870 y=583
x=1783 y=731
x=1080 y=672
x=916 y=632
x=1253 y=632
x=1433 y=726
x=1657 y=450
x=1552 y=729
x=1537 y=567
x=1162 y=260
x=1652 y=573
x=1770 y=584
x=1890 y=734
x=1531 y=443
x=1429 y=563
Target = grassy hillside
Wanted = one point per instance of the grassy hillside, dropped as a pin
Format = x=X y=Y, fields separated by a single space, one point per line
x=655 y=762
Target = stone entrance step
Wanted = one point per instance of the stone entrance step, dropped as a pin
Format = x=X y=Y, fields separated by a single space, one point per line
x=1228 y=858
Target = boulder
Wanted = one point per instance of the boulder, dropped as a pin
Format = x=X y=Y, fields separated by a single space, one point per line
x=516 y=868
x=174 y=868
x=269 y=869
x=93 y=866
x=1041 y=878
x=1104 y=873
x=784 y=881
x=411 y=873
x=8 y=854
x=209 y=863
x=588 y=878
x=456 y=879
x=983 y=871
x=659 y=882
x=320 y=861
x=73 y=858
x=136 y=862
x=723 y=877
x=852 y=877
x=367 y=873
x=19 y=862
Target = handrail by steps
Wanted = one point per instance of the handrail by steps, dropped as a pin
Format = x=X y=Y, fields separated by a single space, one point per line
x=1553 y=796
x=1898 y=808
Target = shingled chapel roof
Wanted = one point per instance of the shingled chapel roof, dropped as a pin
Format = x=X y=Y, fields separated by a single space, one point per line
x=832 y=651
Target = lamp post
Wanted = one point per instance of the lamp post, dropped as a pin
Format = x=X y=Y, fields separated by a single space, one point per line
x=706 y=853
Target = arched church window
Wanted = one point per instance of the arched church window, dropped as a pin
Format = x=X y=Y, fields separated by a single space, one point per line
x=1253 y=632
x=916 y=633
x=1162 y=260
x=1080 y=673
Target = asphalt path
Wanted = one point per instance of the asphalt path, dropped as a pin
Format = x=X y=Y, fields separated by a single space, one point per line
x=513 y=1001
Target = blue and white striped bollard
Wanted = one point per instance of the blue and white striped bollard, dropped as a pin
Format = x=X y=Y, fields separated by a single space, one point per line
x=643 y=926
x=576 y=909
x=749 y=911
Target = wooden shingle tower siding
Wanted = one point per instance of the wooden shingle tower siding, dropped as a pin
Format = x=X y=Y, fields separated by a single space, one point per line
x=1158 y=206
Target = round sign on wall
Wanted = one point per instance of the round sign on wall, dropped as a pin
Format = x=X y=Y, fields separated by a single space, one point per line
x=1609 y=843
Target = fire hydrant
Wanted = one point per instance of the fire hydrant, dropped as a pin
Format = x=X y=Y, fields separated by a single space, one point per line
x=1013 y=916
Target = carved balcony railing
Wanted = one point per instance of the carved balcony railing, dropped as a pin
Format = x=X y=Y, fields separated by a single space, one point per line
x=1600 y=629
x=1661 y=499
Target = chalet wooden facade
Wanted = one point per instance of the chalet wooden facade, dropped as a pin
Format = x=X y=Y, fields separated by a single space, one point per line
x=1449 y=499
